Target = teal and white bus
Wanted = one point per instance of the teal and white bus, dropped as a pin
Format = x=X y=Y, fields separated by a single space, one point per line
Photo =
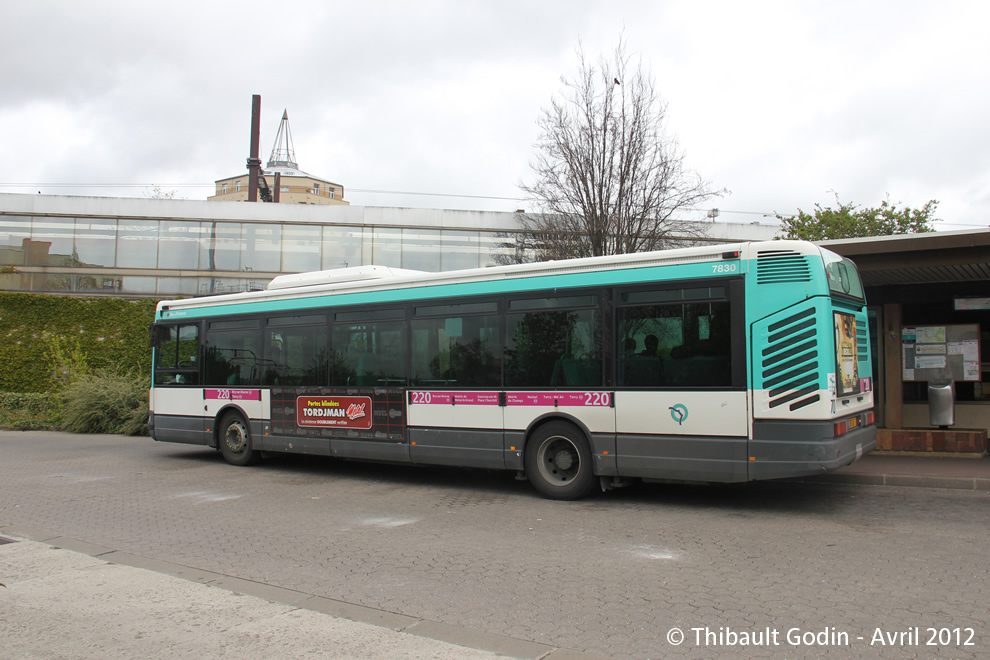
x=708 y=364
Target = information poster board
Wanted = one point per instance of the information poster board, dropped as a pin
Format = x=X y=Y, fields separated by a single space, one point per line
x=935 y=352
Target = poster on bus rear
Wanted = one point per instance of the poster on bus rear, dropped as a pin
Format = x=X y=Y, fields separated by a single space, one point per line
x=349 y=412
x=846 y=355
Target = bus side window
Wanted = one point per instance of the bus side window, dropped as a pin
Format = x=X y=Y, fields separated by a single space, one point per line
x=457 y=351
x=369 y=354
x=175 y=355
x=233 y=354
x=693 y=345
x=553 y=348
x=188 y=346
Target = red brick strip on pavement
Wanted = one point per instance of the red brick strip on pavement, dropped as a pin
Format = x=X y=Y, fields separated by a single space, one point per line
x=931 y=470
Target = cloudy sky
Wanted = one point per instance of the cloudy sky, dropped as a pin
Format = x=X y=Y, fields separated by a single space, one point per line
x=781 y=103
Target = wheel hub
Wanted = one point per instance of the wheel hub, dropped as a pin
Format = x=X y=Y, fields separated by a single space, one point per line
x=563 y=460
x=234 y=438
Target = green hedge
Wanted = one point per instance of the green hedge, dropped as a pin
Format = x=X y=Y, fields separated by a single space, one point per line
x=31 y=412
x=104 y=332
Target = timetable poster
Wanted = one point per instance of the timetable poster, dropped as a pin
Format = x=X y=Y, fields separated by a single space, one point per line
x=937 y=352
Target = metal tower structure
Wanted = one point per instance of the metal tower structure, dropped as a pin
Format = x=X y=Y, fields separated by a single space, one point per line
x=283 y=151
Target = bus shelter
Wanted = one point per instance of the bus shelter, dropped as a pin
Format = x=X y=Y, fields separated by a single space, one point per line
x=929 y=312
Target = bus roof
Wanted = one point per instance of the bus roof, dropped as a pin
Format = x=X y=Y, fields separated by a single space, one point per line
x=373 y=278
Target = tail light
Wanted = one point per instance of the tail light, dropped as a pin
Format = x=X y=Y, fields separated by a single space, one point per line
x=846 y=425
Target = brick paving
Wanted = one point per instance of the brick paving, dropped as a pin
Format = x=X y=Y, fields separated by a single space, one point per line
x=610 y=575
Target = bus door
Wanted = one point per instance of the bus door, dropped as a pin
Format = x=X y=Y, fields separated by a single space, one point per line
x=177 y=395
x=362 y=415
x=455 y=416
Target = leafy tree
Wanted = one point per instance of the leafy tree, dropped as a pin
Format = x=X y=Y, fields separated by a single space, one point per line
x=849 y=221
x=609 y=179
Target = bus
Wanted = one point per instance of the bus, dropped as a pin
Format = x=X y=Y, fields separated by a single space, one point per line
x=727 y=363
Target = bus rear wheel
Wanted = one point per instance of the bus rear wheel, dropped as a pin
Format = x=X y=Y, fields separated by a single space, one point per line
x=235 y=441
x=558 y=462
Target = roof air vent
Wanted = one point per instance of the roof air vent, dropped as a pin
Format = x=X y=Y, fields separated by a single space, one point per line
x=781 y=266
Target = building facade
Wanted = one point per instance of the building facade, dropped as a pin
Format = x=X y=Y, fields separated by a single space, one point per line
x=162 y=248
x=283 y=179
x=294 y=187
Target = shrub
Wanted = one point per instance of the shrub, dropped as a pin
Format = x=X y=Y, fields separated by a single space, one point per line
x=107 y=401
x=66 y=360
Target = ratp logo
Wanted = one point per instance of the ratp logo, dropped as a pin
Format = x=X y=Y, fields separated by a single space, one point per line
x=679 y=413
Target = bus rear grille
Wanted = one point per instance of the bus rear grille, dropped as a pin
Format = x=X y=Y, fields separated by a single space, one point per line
x=780 y=266
x=862 y=346
x=791 y=361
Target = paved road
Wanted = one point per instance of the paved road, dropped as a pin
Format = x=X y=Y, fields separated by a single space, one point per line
x=611 y=575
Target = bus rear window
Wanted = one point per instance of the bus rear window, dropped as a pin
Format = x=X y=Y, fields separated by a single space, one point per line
x=843 y=276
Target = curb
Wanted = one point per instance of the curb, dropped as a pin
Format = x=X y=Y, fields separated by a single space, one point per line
x=906 y=480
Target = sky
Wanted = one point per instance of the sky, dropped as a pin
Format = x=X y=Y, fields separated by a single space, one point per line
x=434 y=103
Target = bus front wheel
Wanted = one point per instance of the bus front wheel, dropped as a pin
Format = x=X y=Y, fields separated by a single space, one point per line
x=558 y=462
x=235 y=441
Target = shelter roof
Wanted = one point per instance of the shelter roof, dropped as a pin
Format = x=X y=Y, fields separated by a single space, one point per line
x=934 y=257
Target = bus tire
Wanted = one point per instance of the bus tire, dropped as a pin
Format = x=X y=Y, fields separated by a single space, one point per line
x=558 y=462
x=235 y=441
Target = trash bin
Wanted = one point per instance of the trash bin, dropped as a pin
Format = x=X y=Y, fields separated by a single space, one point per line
x=941 y=403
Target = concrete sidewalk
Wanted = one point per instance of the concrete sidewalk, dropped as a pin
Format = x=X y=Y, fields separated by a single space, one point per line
x=65 y=598
x=966 y=472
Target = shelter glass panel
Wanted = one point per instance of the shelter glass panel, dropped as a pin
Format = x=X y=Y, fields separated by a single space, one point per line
x=14 y=231
x=142 y=285
x=459 y=250
x=504 y=248
x=95 y=283
x=387 y=247
x=137 y=243
x=52 y=242
x=221 y=246
x=173 y=286
x=96 y=241
x=179 y=244
x=211 y=285
x=420 y=249
x=40 y=282
x=262 y=248
x=301 y=248
x=341 y=247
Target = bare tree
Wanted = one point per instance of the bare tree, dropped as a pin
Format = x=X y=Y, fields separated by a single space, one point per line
x=609 y=179
x=157 y=193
